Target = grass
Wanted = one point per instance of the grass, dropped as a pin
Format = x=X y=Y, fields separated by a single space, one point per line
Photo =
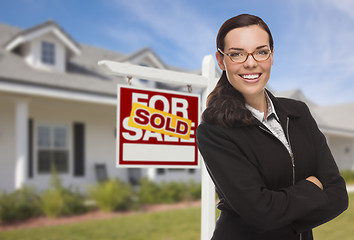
x=167 y=225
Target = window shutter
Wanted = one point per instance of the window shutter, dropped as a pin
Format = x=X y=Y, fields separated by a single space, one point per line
x=79 y=149
x=30 y=148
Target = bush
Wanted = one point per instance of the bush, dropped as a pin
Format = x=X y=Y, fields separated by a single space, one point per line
x=348 y=176
x=59 y=201
x=52 y=203
x=112 y=195
x=19 y=205
x=173 y=192
x=150 y=192
x=56 y=202
x=194 y=190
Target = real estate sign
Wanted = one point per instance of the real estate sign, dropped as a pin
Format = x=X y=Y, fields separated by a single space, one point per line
x=156 y=128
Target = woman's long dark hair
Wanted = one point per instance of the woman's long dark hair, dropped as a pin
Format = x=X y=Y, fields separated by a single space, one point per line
x=226 y=105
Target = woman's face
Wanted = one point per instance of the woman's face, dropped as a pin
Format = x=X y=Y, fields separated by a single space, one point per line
x=249 y=77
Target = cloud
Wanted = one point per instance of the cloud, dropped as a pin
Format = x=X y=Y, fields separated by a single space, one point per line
x=128 y=38
x=315 y=53
x=182 y=33
x=313 y=40
x=345 y=6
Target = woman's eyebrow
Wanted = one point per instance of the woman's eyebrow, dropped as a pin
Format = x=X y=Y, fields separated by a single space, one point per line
x=241 y=49
x=262 y=46
x=238 y=49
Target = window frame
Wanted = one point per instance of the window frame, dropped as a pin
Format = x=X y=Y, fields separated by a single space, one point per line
x=52 y=149
x=48 y=52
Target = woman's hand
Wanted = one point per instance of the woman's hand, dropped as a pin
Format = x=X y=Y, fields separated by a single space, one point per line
x=315 y=180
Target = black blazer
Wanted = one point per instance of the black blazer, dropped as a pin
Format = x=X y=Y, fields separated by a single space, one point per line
x=253 y=174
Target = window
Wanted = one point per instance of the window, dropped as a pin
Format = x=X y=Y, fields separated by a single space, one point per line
x=48 y=53
x=52 y=149
x=144 y=80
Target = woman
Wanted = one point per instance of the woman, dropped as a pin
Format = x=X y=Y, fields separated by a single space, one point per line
x=272 y=168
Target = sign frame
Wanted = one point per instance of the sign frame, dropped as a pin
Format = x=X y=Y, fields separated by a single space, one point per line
x=207 y=81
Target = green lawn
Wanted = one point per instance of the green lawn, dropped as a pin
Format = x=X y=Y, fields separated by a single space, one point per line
x=168 y=225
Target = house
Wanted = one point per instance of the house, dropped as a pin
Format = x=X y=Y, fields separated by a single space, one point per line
x=57 y=107
x=336 y=123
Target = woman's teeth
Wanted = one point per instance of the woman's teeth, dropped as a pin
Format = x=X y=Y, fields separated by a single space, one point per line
x=250 y=76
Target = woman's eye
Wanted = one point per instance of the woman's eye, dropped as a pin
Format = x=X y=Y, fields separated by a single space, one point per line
x=236 y=54
x=262 y=52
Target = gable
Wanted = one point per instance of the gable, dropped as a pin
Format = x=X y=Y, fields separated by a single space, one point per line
x=144 y=57
x=41 y=30
x=45 y=47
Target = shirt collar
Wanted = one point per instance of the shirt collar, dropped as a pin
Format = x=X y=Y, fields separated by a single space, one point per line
x=260 y=115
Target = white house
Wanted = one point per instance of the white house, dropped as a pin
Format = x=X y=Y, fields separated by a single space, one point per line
x=58 y=107
x=337 y=124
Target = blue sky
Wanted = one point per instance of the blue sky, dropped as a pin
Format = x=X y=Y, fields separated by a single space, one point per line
x=313 y=38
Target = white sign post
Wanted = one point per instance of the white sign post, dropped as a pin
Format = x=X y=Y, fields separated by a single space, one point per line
x=207 y=82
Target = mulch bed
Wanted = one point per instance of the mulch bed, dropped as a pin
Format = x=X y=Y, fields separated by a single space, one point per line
x=45 y=221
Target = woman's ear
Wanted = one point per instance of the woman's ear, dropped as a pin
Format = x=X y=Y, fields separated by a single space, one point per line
x=220 y=60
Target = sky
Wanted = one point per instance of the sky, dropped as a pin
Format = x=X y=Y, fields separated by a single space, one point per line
x=313 y=39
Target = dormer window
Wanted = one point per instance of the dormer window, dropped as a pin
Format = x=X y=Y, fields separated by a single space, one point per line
x=44 y=47
x=48 y=53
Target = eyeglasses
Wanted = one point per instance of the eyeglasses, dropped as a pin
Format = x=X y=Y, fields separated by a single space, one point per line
x=242 y=56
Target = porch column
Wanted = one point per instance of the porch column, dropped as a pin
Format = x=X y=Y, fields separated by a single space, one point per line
x=151 y=174
x=21 y=131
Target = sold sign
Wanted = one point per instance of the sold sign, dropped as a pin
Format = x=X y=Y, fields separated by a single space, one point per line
x=158 y=121
x=156 y=128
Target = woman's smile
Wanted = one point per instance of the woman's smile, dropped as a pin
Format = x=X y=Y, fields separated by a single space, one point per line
x=251 y=77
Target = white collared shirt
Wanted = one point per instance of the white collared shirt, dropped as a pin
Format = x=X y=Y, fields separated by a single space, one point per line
x=271 y=121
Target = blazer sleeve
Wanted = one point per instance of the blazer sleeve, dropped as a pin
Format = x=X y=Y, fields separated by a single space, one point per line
x=328 y=173
x=241 y=185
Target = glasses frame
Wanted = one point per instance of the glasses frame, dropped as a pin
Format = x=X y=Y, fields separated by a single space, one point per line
x=248 y=54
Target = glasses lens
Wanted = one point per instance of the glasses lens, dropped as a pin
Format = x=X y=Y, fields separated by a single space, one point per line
x=238 y=57
x=261 y=55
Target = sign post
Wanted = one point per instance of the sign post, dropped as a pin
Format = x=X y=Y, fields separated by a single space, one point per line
x=143 y=113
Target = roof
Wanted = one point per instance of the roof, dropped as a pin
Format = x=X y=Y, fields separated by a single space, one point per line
x=47 y=27
x=143 y=53
x=298 y=95
x=335 y=119
x=338 y=117
x=82 y=75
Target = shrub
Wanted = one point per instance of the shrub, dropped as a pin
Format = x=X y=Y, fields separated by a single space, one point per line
x=172 y=192
x=112 y=195
x=52 y=202
x=19 y=205
x=74 y=202
x=59 y=201
x=148 y=192
x=194 y=190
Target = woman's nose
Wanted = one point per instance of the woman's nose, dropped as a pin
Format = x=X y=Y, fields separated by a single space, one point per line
x=250 y=62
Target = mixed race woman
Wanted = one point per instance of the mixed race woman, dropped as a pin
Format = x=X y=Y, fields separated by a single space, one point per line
x=272 y=168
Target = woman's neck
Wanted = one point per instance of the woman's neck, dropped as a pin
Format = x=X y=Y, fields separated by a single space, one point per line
x=258 y=102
